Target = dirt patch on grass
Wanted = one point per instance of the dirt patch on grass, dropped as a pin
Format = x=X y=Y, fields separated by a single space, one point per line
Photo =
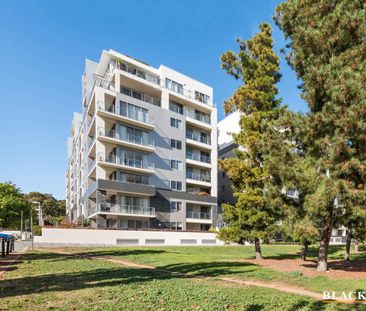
x=338 y=269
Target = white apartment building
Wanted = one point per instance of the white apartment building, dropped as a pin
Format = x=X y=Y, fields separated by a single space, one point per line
x=143 y=152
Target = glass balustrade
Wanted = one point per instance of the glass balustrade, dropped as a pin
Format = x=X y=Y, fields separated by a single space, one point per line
x=126 y=209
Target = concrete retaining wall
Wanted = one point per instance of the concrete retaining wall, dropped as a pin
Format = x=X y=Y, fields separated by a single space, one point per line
x=126 y=237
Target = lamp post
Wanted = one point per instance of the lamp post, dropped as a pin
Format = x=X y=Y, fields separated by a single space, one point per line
x=40 y=214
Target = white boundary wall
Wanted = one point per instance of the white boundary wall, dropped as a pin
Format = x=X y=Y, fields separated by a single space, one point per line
x=126 y=237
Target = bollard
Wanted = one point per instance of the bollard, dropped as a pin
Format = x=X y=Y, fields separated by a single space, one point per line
x=12 y=245
x=7 y=247
x=2 y=248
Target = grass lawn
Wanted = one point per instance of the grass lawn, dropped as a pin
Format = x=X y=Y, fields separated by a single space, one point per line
x=215 y=261
x=45 y=280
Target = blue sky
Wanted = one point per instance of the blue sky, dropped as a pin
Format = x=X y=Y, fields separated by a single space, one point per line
x=42 y=52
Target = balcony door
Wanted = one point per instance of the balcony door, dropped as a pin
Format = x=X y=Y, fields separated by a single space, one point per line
x=132 y=201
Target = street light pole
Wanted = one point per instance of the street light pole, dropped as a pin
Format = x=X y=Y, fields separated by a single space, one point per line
x=31 y=227
x=21 y=225
x=40 y=214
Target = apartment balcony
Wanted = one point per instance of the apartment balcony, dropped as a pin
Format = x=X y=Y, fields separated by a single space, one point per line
x=127 y=164
x=91 y=125
x=91 y=146
x=140 y=96
x=92 y=166
x=135 y=74
x=198 y=160
x=191 y=98
x=122 y=210
x=104 y=82
x=199 y=120
x=131 y=117
x=203 y=142
x=198 y=217
x=198 y=179
x=128 y=140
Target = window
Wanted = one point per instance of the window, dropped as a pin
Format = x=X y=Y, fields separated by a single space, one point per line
x=203 y=117
x=205 y=157
x=175 y=206
x=125 y=91
x=176 y=165
x=189 y=153
x=136 y=95
x=133 y=112
x=203 y=98
x=174 y=86
x=175 y=107
x=175 y=185
x=130 y=178
x=176 y=123
x=176 y=225
x=177 y=144
x=189 y=133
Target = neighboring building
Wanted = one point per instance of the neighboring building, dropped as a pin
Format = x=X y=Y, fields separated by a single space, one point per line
x=143 y=153
x=226 y=146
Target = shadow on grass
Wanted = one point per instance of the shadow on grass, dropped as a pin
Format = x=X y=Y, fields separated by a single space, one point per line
x=117 y=276
x=42 y=255
x=210 y=268
x=312 y=253
x=8 y=268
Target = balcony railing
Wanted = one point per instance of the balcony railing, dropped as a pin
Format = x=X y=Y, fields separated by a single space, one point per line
x=132 y=162
x=135 y=139
x=91 y=143
x=199 y=117
x=104 y=82
x=92 y=164
x=198 y=215
x=133 y=179
x=201 y=139
x=198 y=157
x=141 y=96
x=178 y=88
x=198 y=177
x=130 y=114
x=138 y=72
x=126 y=209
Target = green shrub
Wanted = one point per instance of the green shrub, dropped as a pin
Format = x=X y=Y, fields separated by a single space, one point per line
x=37 y=230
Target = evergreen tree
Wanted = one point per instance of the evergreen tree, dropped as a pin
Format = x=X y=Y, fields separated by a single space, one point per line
x=355 y=223
x=253 y=217
x=327 y=49
x=292 y=177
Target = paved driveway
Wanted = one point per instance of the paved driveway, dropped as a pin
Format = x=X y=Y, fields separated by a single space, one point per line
x=21 y=246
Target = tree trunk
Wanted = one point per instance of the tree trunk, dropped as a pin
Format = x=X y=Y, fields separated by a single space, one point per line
x=323 y=250
x=258 y=251
x=304 y=251
x=348 y=245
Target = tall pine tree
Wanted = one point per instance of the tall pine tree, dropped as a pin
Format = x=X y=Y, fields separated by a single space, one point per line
x=253 y=217
x=327 y=49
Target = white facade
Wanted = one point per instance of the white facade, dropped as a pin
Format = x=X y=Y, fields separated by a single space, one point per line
x=125 y=237
x=143 y=153
x=226 y=127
